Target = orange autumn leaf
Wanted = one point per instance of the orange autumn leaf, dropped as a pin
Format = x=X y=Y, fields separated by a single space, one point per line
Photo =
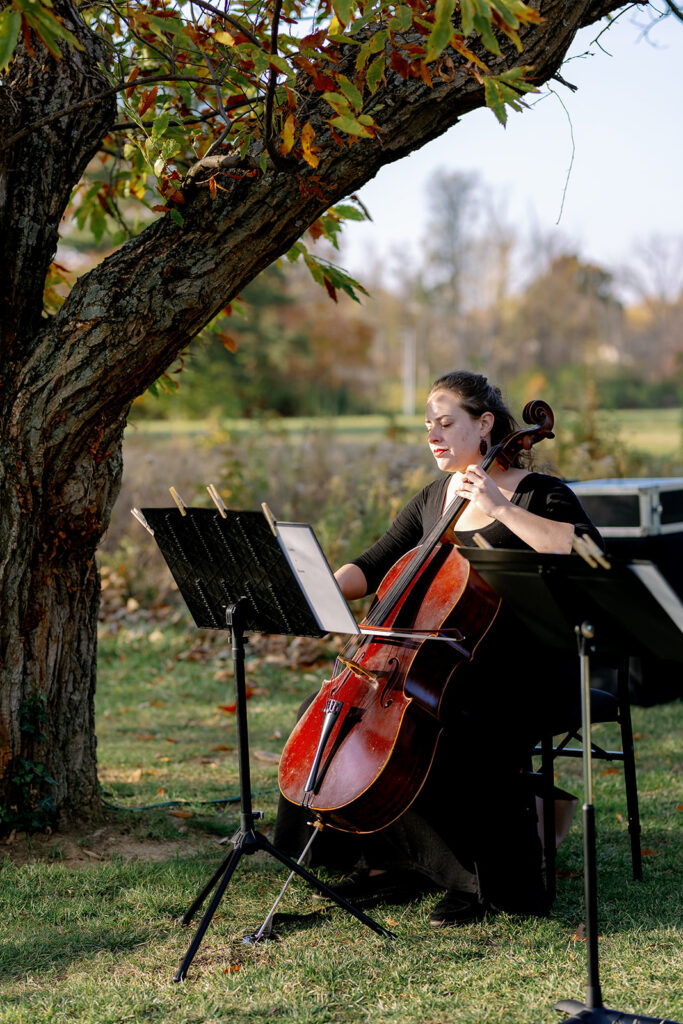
x=179 y=813
x=147 y=99
x=230 y=709
x=144 y=736
x=307 y=136
x=610 y=771
x=227 y=341
x=649 y=853
x=222 y=746
x=680 y=807
x=288 y=134
x=131 y=78
x=316 y=229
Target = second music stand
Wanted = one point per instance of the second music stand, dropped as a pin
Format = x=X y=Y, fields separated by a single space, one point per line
x=564 y=602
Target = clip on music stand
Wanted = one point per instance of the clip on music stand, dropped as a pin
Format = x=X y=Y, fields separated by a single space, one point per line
x=244 y=572
x=563 y=602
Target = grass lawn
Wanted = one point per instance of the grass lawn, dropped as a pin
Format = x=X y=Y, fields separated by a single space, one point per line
x=656 y=431
x=90 y=932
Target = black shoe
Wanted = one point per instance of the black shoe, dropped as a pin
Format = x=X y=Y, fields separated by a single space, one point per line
x=457 y=908
x=392 y=886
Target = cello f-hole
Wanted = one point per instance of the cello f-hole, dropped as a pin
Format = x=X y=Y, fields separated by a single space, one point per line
x=384 y=701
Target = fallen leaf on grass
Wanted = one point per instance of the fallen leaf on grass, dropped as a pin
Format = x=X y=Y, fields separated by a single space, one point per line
x=144 y=736
x=230 y=709
x=610 y=771
x=680 y=807
x=567 y=874
x=621 y=818
x=91 y=853
x=580 y=934
x=649 y=853
x=231 y=969
x=169 y=739
x=222 y=746
x=265 y=755
x=180 y=813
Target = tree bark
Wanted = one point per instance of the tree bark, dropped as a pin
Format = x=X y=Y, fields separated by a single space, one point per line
x=67 y=383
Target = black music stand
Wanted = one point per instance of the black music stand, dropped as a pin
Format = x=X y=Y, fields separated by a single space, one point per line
x=244 y=572
x=564 y=602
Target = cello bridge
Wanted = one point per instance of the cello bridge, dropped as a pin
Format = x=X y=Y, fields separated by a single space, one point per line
x=358 y=670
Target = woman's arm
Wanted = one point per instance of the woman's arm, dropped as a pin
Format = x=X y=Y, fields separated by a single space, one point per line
x=539 y=532
x=352 y=581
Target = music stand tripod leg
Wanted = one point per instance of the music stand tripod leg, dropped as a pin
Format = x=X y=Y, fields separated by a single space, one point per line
x=226 y=871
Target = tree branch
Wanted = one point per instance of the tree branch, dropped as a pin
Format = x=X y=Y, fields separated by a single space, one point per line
x=675 y=9
x=279 y=162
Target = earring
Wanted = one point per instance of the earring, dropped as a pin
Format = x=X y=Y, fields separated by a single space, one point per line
x=483 y=446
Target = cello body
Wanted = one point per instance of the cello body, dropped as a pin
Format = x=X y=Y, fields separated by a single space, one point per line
x=384 y=739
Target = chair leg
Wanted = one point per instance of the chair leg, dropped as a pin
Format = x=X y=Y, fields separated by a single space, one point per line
x=548 y=790
x=629 y=768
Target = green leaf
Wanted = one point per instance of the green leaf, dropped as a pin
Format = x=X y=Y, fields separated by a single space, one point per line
x=441 y=33
x=375 y=72
x=10 y=24
x=281 y=64
x=403 y=18
x=339 y=103
x=160 y=125
x=348 y=212
x=351 y=126
x=483 y=26
x=177 y=217
x=337 y=37
x=504 y=89
x=344 y=10
x=351 y=92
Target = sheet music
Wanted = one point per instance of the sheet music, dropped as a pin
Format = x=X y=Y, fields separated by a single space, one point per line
x=660 y=589
x=306 y=559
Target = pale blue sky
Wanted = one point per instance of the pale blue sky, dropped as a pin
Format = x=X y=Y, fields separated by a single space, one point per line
x=626 y=181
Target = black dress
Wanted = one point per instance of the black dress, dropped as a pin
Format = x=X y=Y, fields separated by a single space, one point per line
x=472 y=827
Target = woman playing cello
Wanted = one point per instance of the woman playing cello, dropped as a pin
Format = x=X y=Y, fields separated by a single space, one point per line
x=472 y=830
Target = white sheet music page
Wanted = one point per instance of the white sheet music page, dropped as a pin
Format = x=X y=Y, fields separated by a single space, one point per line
x=300 y=547
x=660 y=589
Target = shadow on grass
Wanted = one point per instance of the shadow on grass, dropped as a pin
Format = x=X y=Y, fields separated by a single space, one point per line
x=53 y=950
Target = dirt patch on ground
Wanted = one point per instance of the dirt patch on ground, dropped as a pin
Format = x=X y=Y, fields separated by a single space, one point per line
x=109 y=842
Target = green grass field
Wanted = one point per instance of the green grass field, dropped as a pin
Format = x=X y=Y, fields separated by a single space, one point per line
x=657 y=431
x=89 y=921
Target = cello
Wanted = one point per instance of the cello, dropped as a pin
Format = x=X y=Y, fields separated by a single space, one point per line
x=362 y=751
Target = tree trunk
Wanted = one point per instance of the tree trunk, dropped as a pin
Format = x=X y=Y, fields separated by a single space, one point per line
x=67 y=384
